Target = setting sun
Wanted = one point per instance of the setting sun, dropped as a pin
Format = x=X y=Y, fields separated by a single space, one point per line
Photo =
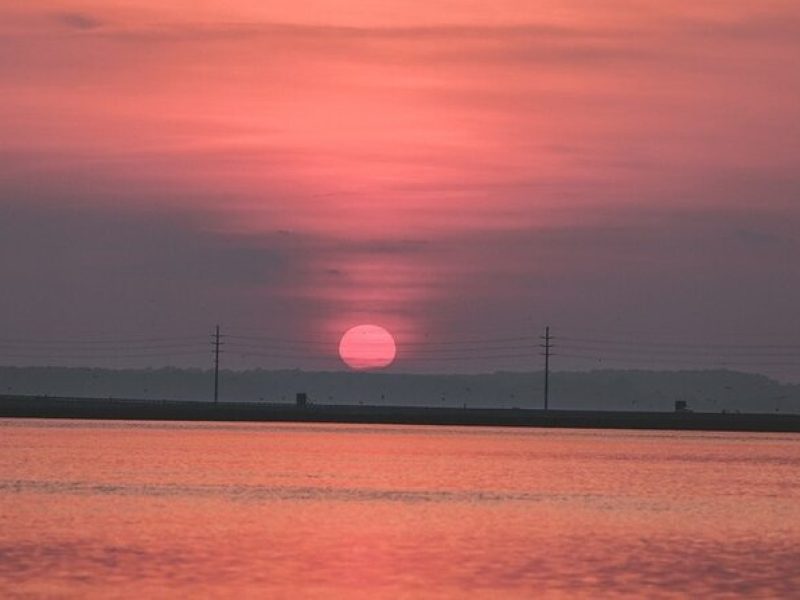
x=367 y=347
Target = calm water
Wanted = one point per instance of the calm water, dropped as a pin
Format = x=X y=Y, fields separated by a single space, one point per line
x=110 y=509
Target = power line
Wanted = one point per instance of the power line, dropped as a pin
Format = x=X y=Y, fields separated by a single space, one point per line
x=245 y=353
x=666 y=353
x=681 y=345
x=466 y=342
x=124 y=342
x=657 y=360
x=607 y=350
x=84 y=351
x=112 y=356
x=735 y=334
x=424 y=353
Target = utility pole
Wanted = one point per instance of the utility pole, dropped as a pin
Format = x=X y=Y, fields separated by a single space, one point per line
x=216 y=365
x=547 y=347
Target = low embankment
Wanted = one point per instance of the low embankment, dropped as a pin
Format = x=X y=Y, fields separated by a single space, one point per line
x=131 y=409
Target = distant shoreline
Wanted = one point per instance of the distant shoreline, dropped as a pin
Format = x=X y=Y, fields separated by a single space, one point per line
x=154 y=410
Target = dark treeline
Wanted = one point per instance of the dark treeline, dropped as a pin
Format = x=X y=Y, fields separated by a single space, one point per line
x=705 y=391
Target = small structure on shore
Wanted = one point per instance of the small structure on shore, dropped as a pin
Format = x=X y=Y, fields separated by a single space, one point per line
x=301 y=399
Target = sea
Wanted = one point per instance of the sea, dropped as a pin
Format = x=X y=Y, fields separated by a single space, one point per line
x=122 y=509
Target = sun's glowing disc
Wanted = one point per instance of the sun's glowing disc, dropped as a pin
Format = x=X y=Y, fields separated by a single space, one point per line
x=367 y=347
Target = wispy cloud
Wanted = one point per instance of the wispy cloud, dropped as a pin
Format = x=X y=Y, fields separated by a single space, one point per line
x=77 y=21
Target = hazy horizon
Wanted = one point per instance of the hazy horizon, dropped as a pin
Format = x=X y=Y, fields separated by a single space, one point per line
x=631 y=390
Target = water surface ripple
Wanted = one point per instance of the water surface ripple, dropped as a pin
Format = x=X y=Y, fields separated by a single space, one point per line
x=104 y=510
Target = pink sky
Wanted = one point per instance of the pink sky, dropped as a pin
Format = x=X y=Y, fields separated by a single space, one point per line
x=441 y=168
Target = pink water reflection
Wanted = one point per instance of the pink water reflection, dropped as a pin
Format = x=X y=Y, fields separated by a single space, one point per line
x=165 y=510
